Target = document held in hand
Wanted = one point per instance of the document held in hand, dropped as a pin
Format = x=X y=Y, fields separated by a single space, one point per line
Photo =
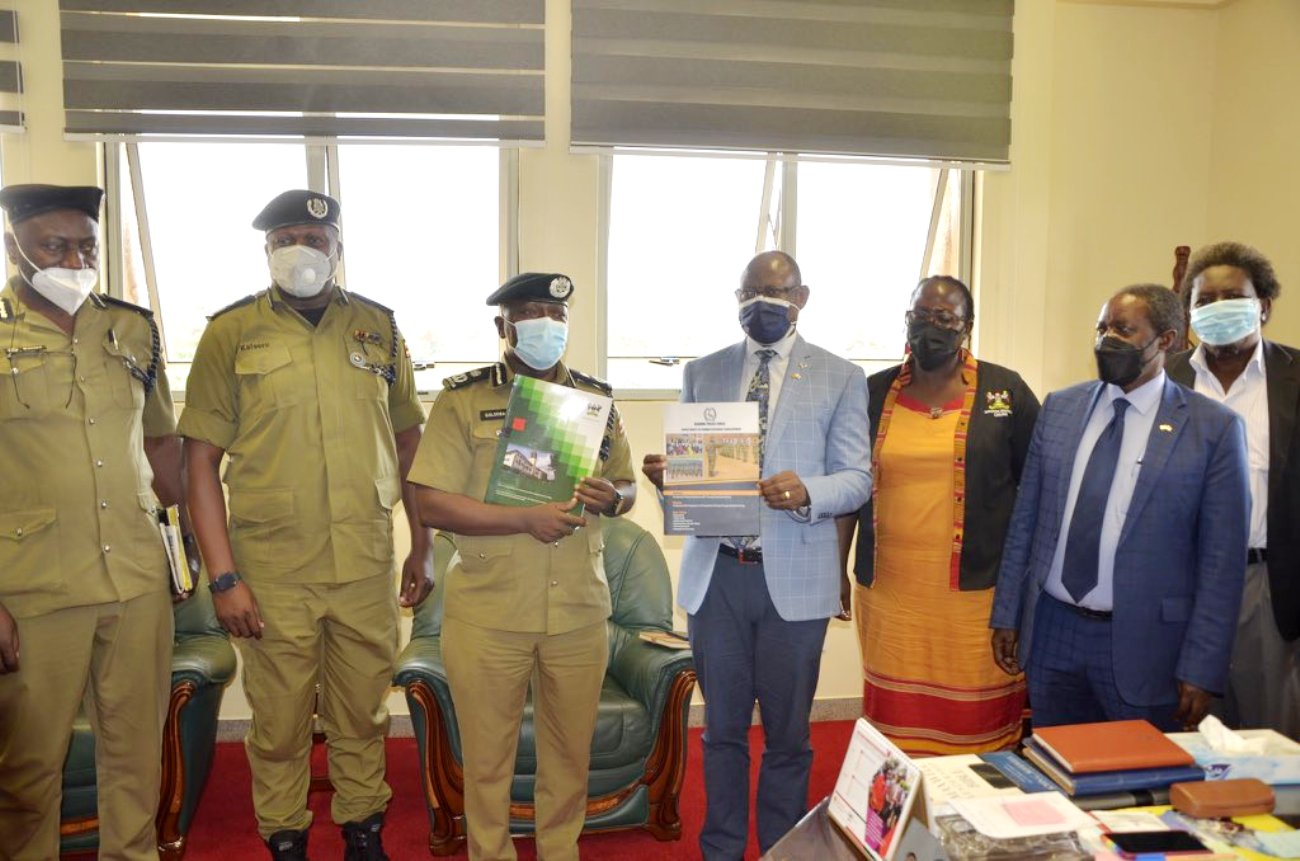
x=711 y=478
x=178 y=563
x=549 y=442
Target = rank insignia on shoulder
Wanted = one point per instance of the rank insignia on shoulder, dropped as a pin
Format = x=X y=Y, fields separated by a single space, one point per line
x=239 y=303
x=597 y=382
x=459 y=381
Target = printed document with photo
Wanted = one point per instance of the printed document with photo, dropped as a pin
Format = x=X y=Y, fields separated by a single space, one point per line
x=711 y=478
x=873 y=796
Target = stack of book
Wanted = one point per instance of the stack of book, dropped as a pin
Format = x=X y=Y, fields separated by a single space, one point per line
x=1108 y=765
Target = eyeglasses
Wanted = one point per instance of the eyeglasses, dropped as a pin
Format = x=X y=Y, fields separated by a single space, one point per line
x=13 y=353
x=744 y=294
x=942 y=319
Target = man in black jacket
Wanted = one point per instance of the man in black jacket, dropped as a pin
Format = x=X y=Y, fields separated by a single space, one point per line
x=1230 y=289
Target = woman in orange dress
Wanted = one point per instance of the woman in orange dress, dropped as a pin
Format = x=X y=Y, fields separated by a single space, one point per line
x=950 y=436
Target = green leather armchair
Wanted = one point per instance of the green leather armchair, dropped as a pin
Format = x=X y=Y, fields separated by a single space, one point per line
x=203 y=663
x=638 y=752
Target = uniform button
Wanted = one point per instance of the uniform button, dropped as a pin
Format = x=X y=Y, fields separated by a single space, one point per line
x=76 y=340
x=19 y=532
x=108 y=548
x=555 y=582
x=99 y=463
x=103 y=503
x=92 y=421
x=482 y=556
x=82 y=377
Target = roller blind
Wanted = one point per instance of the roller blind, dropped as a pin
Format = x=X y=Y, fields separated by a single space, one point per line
x=11 y=74
x=894 y=78
x=439 y=69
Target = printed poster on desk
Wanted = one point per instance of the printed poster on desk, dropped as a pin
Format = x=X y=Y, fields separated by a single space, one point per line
x=549 y=442
x=711 y=478
x=873 y=796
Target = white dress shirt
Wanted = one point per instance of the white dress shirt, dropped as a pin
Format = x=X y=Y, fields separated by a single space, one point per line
x=1144 y=403
x=1248 y=398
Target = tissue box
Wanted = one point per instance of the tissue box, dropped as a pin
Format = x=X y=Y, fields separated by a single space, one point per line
x=1278 y=764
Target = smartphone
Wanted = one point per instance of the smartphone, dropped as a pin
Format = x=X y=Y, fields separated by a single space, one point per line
x=1134 y=843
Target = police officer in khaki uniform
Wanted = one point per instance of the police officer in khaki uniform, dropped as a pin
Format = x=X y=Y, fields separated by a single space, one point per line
x=526 y=592
x=310 y=392
x=88 y=434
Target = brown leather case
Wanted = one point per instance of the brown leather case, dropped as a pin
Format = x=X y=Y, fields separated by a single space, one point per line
x=1220 y=799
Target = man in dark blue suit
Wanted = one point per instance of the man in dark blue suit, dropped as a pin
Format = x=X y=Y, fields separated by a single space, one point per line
x=1123 y=568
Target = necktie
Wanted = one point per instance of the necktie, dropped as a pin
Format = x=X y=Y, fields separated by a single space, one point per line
x=760 y=387
x=1079 y=569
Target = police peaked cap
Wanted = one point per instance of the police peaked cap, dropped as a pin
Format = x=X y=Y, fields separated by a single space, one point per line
x=534 y=287
x=21 y=202
x=298 y=206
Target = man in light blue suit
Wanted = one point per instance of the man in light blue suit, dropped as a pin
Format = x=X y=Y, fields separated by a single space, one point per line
x=758 y=605
x=1123 y=567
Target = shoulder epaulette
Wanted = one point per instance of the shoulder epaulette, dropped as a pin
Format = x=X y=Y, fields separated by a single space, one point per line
x=122 y=303
x=597 y=382
x=238 y=303
x=371 y=302
x=494 y=372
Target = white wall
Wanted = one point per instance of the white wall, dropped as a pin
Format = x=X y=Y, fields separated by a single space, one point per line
x=1137 y=126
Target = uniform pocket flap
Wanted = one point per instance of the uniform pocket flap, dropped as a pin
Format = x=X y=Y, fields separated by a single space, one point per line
x=261 y=506
x=480 y=548
x=1176 y=609
x=17 y=525
x=390 y=491
x=263 y=360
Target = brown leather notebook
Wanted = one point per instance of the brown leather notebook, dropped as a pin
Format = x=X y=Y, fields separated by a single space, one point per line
x=1112 y=746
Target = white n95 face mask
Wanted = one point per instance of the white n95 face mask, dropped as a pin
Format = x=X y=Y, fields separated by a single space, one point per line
x=67 y=289
x=300 y=271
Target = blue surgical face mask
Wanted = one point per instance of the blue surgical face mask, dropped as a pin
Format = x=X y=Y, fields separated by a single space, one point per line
x=540 y=343
x=765 y=319
x=1226 y=321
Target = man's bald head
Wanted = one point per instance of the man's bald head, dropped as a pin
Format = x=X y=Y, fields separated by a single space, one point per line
x=773 y=269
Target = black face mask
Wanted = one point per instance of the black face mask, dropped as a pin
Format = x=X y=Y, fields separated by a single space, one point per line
x=1118 y=361
x=932 y=345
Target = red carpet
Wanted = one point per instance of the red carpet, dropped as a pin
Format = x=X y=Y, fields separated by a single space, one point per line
x=224 y=828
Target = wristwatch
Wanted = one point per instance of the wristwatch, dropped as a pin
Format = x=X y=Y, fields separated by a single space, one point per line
x=224 y=582
x=617 y=506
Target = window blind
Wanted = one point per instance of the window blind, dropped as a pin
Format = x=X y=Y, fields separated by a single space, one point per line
x=11 y=74
x=928 y=79
x=431 y=69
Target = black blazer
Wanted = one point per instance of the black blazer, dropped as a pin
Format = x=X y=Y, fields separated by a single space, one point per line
x=995 y=453
x=1282 y=372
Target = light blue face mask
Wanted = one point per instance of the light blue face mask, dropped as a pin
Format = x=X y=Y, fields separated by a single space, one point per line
x=540 y=343
x=1226 y=321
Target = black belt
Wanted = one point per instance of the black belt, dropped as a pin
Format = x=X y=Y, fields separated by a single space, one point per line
x=742 y=555
x=1085 y=612
x=1256 y=555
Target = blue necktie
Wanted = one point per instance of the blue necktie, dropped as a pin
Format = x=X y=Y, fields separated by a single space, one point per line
x=1079 y=569
x=760 y=388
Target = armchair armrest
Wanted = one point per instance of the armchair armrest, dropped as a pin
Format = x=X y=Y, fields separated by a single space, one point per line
x=646 y=671
x=203 y=659
x=422 y=658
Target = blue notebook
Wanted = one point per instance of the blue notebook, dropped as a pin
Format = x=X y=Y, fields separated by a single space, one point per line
x=1100 y=782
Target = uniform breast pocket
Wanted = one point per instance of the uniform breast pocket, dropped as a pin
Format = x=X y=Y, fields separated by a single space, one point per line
x=39 y=382
x=123 y=370
x=370 y=365
x=484 y=439
x=266 y=377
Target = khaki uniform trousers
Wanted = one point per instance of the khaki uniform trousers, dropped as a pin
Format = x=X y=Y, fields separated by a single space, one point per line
x=489 y=672
x=343 y=635
x=113 y=660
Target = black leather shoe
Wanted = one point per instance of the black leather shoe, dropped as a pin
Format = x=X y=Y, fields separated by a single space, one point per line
x=363 y=841
x=288 y=845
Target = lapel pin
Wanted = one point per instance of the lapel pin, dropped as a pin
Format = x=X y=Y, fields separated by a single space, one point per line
x=1167 y=428
x=798 y=376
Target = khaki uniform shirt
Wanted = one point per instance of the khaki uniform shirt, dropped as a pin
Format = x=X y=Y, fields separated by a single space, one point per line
x=307 y=416
x=78 y=514
x=513 y=582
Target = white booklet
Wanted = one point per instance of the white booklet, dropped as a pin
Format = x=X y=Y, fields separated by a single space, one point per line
x=711 y=479
x=875 y=791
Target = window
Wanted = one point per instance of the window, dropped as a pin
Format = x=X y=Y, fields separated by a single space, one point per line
x=681 y=229
x=421 y=232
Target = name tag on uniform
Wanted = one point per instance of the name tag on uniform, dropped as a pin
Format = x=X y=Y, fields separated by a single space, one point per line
x=489 y=415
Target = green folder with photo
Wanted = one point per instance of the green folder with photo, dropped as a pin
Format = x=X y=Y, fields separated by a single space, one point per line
x=550 y=441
